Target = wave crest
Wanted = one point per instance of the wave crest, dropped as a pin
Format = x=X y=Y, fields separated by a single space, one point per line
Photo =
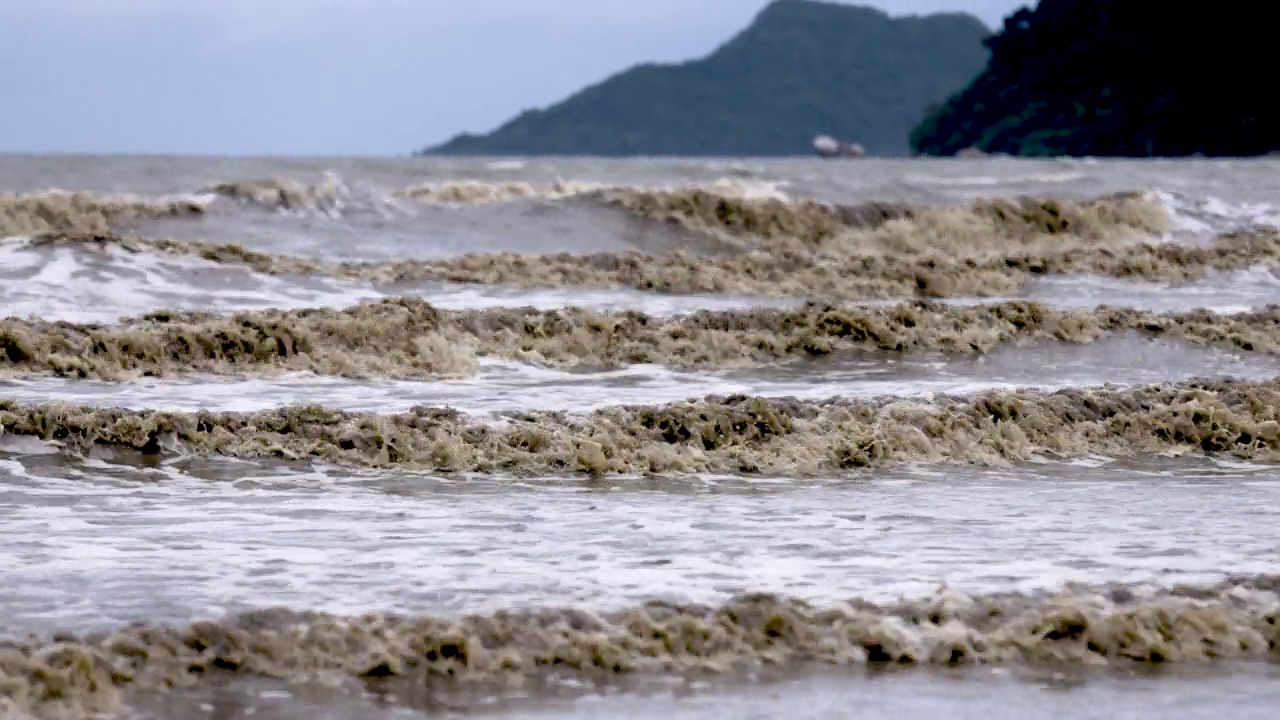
x=1103 y=625
x=410 y=338
x=780 y=273
x=79 y=212
x=781 y=437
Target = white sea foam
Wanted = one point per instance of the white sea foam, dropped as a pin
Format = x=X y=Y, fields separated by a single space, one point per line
x=1232 y=292
x=92 y=545
x=102 y=286
x=1207 y=216
x=483 y=191
x=97 y=543
x=986 y=181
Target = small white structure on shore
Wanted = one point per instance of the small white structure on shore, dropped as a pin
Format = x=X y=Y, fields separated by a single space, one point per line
x=828 y=147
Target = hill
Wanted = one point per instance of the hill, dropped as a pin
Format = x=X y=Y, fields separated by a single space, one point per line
x=1118 y=78
x=801 y=69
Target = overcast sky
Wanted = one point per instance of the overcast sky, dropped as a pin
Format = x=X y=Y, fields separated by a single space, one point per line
x=366 y=77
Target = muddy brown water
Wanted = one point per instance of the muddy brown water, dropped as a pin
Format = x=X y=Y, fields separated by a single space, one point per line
x=546 y=585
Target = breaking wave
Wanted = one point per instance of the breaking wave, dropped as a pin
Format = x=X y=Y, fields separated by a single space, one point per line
x=733 y=435
x=852 y=277
x=481 y=192
x=409 y=338
x=784 y=225
x=75 y=212
x=768 y=289
x=509 y=653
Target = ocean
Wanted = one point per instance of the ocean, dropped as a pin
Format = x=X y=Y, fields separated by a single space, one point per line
x=365 y=438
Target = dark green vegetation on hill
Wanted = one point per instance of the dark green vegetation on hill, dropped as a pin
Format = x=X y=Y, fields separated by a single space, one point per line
x=1119 y=78
x=801 y=69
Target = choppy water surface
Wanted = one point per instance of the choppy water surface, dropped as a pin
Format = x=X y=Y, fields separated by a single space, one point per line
x=93 y=543
x=1244 y=692
x=499 y=386
x=177 y=541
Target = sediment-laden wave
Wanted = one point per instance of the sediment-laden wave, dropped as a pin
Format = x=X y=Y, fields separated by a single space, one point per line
x=487 y=192
x=730 y=435
x=54 y=211
x=750 y=215
x=773 y=246
x=513 y=651
x=769 y=274
x=836 y=231
x=772 y=220
x=222 y=253
x=857 y=277
x=482 y=192
x=394 y=339
x=333 y=194
x=409 y=338
x=329 y=196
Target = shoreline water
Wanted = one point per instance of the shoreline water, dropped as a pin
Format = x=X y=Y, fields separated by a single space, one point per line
x=1082 y=422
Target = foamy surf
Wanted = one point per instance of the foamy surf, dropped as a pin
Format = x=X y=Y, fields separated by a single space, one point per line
x=407 y=338
x=331 y=198
x=104 y=286
x=1206 y=216
x=484 y=192
x=62 y=211
x=501 y=386
x=831 y=275
x=737 y=434
x=699 y=545
x=1231 y=292
x=988 y=181
x=630 y=456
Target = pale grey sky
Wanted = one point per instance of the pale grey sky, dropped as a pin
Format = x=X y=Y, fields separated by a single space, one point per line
x=331 y=76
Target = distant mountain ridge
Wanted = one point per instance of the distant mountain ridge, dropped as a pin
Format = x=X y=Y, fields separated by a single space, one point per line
x=801 y=69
